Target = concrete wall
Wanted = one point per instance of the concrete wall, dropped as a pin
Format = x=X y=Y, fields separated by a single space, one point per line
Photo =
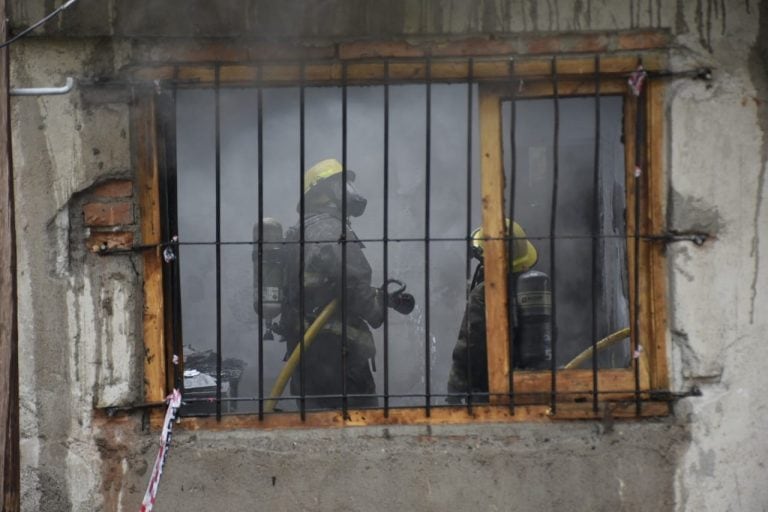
x=80 y=331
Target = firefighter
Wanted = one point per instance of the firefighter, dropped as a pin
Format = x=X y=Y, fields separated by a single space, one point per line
x=531 y=321
x=323 y=371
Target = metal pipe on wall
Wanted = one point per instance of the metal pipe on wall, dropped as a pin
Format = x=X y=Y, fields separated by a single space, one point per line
x=44 y=91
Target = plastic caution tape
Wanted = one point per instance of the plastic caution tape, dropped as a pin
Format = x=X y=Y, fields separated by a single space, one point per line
x=174 y=402
x=636 y=80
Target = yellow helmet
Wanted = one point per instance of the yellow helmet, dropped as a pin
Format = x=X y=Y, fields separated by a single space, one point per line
x=322 y=170
x=525 y=255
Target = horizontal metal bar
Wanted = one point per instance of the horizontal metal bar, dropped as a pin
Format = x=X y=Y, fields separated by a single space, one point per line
x=697 y=238
x=112 y=411
x=654 y=394
x=700 y=73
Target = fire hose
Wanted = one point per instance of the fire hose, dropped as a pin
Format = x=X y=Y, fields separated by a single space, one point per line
x=330 y=308
x=603 y=344
x=398 y=300
x=290 y=365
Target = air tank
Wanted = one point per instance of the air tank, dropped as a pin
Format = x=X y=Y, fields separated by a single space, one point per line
x=533 y=336
x=272 y=271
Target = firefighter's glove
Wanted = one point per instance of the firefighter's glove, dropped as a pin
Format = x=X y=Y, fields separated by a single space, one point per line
x=398 y=300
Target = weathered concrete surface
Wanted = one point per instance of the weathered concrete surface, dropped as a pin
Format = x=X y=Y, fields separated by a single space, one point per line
x=80 y=342
x=342 y=19
x=495 y=468
x=719 y=293
x=76 y=353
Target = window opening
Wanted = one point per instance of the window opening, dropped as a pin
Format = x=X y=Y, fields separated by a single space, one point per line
x=406 y=225
x=590 y=262
x=533 y=183
x=236 y=191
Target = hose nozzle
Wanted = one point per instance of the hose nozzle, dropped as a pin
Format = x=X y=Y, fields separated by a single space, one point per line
x=398 y=300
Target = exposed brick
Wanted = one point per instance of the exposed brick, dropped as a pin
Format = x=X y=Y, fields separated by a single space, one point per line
x=548 y=44
x=593 y=43
x=99 y=241
x=114 y=188
x=643 y=40
x=461 y=48
x=476 y=46
x=273 y=51
x=108 y=214
x=365 y=49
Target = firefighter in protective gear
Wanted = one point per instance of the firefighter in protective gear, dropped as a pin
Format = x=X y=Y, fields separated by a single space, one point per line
x=469 y=372
x=323 y=370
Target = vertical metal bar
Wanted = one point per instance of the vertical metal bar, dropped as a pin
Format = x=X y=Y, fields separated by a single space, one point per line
x=260 y=170
x=218 y=240
x=512 y=282
x=164 y=122
x=173 y=229
x=552 y=227
x=175 y=283
x=162 y=106
x=302 y=227
x=386 y=237
x=639 y=143
x=595 y=234
x=468 y=264
x=427 y=205
x=178 y=333
x=343 y=240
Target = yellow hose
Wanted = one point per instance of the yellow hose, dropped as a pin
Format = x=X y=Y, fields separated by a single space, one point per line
x=604 y=343
x=330 y=308
x=290 y=365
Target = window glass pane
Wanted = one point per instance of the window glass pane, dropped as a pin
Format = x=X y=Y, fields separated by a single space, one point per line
x=410 y=348
x=195 y=115
x=534 y=152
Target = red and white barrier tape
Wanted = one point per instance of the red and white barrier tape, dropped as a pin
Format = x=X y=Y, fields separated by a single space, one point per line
x=637 y=80
x=174 y=402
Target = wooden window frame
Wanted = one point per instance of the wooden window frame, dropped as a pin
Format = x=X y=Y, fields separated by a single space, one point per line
x=652 y=357
x=576 y=77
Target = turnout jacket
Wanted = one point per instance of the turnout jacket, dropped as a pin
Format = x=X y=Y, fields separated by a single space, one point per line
x=364 y=303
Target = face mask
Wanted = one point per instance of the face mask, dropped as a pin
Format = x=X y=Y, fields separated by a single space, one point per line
x=331 y=189
x=355 y=202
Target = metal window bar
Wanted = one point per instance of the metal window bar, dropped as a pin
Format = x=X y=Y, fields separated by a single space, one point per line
x=165 y=124
x=171 y=188
x=552 y=239
x=427 y=206
x=260 y=263
x=655 y=394
x=217 y=110
x=664 y=237
x=512 y=283
x=343 y=240
x=468 y=265
x=165 y=216
x=596 y=232
x=385 y=232
x=638 y=173
x=302 y=228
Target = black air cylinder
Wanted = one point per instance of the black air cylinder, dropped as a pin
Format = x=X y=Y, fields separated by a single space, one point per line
x=533 y=333
x=272 y=270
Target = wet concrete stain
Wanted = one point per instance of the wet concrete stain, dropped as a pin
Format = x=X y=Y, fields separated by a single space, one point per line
x=759 y=71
